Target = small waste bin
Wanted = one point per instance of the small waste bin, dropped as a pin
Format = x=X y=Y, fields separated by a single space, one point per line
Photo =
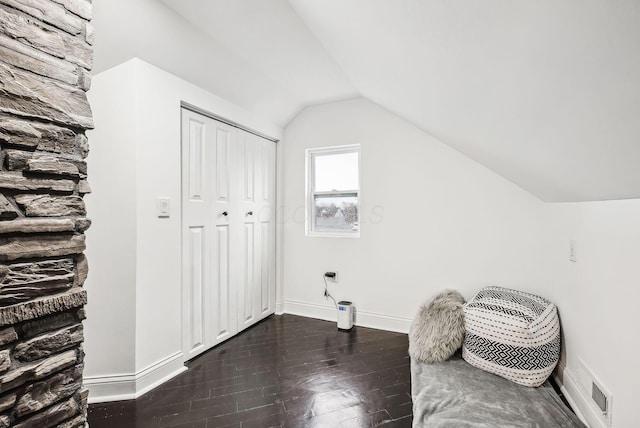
x=345 y=315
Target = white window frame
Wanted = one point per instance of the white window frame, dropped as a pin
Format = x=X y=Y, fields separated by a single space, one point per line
x=310 y=154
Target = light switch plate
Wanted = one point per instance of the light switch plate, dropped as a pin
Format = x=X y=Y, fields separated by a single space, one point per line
x=163 y=207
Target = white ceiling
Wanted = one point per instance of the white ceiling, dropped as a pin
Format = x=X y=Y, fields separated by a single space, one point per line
x=263 y=58
x=545 y=92
x=272 y=38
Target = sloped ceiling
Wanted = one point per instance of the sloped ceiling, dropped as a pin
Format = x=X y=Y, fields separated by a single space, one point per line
x=257 y=54
x=545 y=92
x=272 y=38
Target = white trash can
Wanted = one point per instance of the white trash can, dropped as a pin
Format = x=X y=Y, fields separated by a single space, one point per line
x=345 y=315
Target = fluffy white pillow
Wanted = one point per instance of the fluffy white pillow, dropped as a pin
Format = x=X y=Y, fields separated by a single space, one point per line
x=437 y=331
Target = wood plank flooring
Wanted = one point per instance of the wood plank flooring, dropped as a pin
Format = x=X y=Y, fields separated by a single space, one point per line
x=286 y=371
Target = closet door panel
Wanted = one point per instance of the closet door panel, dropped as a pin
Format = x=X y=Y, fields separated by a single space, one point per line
x=224 y=305
x=221 y=287
x=196 y=288
x=197 y=195
x=265 y=276
x=196 y=158
x=209 y=295
x=223 y=143
x=264 y=295
x=249 y=163
x=269 y=203
x=249 y=268
x=249 y=177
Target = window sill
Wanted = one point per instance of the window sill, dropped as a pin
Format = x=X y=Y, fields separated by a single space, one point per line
x=332 y=235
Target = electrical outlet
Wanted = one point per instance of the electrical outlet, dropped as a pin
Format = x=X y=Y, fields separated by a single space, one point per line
x=331 y=278
x=572 y=251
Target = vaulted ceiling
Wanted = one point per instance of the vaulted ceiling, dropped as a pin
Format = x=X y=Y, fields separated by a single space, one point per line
x=545 y=93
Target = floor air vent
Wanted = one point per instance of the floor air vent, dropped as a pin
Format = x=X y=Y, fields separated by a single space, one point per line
x=599 y=397
x=602 y=398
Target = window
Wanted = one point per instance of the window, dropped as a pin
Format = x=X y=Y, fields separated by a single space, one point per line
x=333 y=191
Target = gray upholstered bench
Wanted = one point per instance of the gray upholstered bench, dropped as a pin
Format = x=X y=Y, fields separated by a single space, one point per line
x=513 y=334
x=454 y=394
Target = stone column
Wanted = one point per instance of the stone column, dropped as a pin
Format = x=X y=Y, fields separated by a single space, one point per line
x=45 y=62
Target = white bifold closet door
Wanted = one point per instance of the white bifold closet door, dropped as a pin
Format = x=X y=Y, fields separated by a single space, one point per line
x=256 y=289
x=228 y=233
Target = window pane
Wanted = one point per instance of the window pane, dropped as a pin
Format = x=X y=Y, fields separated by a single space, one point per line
x=336 y=213
x=336 y=172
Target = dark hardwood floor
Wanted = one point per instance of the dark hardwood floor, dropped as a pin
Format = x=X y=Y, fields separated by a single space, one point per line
x=286 y=371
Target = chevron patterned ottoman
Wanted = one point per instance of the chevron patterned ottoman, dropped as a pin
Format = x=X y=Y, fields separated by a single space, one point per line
x=513 y=334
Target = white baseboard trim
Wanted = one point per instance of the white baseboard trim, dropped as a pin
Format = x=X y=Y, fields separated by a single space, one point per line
x=580 y=403
x=158 y=373
x=364 y=319
x=131 y=386
x=279 y=308
x=110 y=388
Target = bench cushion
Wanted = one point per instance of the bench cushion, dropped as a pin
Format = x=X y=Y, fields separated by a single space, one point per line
x=456 y=394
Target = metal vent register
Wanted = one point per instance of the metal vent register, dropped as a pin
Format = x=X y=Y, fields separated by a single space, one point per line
x=599 y=397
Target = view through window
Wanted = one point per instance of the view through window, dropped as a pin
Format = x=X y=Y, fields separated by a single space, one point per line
x=333 y=191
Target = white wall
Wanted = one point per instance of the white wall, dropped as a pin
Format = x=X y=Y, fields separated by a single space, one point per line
x=598 y=299
x=109 y=328
x=138 y=131
x=431 y=219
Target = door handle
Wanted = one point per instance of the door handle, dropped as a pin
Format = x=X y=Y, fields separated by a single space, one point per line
x=250 y=213
x=224 y=213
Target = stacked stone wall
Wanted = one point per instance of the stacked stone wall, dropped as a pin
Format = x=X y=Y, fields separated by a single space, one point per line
x=45 y=61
